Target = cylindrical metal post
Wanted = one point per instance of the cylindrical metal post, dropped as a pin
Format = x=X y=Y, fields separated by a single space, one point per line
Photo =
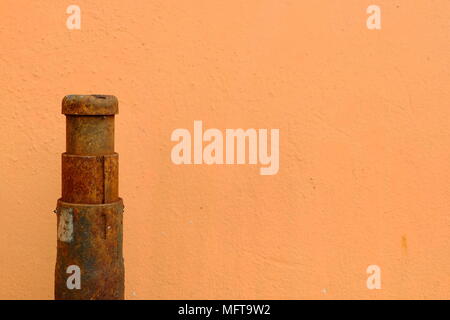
x=89 y=253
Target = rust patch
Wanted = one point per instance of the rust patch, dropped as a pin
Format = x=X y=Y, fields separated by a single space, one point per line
x=90 y=135
x=90 y=179
x=96 y=248
x=111 y=178
x=404 y=244
x=92 y=105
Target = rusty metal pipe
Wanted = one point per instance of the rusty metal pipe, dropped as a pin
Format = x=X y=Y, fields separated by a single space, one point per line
x=89 y=213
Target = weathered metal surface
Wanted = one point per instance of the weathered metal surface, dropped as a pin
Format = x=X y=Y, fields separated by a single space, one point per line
x=90 y=179
x=94 y=105
x=92 y=135
x=92 y=240
x=90 y=210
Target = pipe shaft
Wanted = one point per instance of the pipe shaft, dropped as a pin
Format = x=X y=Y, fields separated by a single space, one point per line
x=89 y=214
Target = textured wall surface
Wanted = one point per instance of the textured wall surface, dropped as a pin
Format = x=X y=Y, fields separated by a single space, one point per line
x=364 y=123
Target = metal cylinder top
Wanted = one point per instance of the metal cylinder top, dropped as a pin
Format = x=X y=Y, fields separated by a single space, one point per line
x=90 y=105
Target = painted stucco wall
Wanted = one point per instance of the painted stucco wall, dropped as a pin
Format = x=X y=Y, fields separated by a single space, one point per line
x=364 y=123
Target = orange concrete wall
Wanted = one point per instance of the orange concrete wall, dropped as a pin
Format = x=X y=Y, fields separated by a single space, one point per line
x=364 y=123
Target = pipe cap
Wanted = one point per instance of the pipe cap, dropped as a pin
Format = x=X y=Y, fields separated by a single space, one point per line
x=90 y=105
